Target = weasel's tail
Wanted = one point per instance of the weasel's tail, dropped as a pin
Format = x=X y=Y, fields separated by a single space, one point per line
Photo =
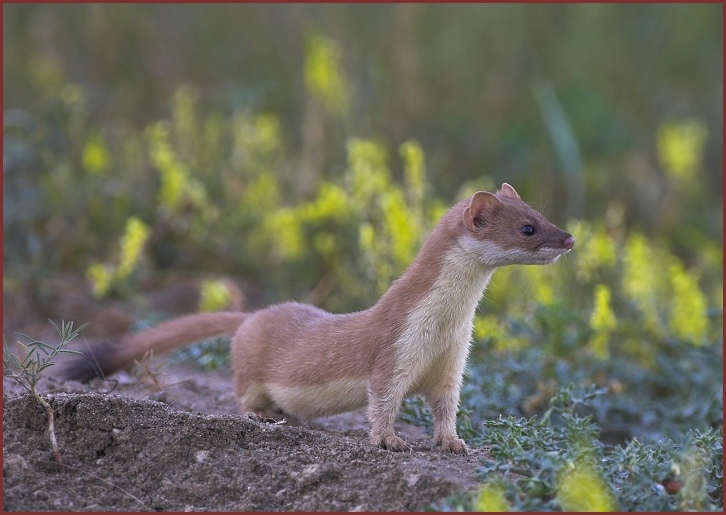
x=101 y=359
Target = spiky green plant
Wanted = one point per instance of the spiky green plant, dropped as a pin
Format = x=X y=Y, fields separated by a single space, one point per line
x=28 y=370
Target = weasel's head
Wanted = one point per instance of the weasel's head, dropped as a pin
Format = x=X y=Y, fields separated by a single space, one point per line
x=500 y=229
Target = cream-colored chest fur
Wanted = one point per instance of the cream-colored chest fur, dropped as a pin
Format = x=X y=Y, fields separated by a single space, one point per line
x=434 y=343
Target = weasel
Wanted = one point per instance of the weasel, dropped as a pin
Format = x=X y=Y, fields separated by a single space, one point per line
x=414 y=340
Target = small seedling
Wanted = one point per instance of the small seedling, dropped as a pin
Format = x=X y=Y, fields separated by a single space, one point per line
x=149 y=372
x=28 y=370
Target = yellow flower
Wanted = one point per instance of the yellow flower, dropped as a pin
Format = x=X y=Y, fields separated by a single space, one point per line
x=288 y=240
x=132 y=244
x=214 y=295
x=261 y=193
x=679 y=148
x=489 y=327
x=403 y=236
x=414 y=173
x=582 y=489
x=256 y=141
x=602 y=322
x=492 y=499
x=323 y=75
x=602 y=318
x=367 y=175
x=596 y=249
x=640 y=279
x=687 y=318
x=101 y=277
x=331 y=204
x=174 y=175
x=95 y=155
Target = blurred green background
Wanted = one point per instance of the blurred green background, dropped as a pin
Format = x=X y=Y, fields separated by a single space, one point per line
x=305 y=151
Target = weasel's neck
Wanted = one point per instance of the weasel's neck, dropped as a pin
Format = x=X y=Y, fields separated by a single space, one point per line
x=443 y=284
x=426 y=317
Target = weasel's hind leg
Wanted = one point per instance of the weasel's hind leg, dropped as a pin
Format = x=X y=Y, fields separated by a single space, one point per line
x=252 y=398
x=255 y=403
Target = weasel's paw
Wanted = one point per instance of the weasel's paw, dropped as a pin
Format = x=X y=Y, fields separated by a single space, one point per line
x=393 y=443
x=455 y=445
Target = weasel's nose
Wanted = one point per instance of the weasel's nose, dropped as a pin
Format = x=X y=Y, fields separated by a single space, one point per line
x=569 y=242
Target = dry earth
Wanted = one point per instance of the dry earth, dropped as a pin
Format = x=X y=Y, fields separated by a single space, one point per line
x=174 y=441
x=177 y=444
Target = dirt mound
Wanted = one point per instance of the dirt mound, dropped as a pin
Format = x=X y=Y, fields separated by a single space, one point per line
x=137 y=454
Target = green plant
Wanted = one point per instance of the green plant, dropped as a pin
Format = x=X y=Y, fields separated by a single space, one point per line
x=28 y=370
x=209 y=354
x=557 y=462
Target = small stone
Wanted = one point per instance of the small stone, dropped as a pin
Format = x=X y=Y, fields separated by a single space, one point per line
x=13 y=464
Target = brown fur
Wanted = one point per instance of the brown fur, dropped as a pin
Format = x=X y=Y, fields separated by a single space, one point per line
x=415 y=339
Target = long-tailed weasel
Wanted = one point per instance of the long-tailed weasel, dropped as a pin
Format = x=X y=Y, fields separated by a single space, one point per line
x=414 y=340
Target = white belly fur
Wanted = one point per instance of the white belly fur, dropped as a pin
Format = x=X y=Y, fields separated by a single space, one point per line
x=311 y=401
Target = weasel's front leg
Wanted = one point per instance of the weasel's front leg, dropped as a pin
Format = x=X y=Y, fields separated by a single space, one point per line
x=444 y=403
x=383 y=404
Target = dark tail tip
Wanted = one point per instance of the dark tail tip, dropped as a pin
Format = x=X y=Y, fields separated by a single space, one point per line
x=96 y=360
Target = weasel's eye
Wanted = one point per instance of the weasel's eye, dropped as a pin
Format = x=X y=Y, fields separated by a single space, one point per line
x=527 y=230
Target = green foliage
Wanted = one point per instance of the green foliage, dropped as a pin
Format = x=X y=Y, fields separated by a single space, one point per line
x=366 y=214
x=342 y=241
x=654 y=419
x=210 y=354
x=557 y=462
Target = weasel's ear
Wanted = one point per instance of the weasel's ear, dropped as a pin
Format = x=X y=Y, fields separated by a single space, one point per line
x=481 y=202
x=507 y=191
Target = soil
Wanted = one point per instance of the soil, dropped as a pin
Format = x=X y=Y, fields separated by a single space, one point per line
x=170 y=438
x=173 y=441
